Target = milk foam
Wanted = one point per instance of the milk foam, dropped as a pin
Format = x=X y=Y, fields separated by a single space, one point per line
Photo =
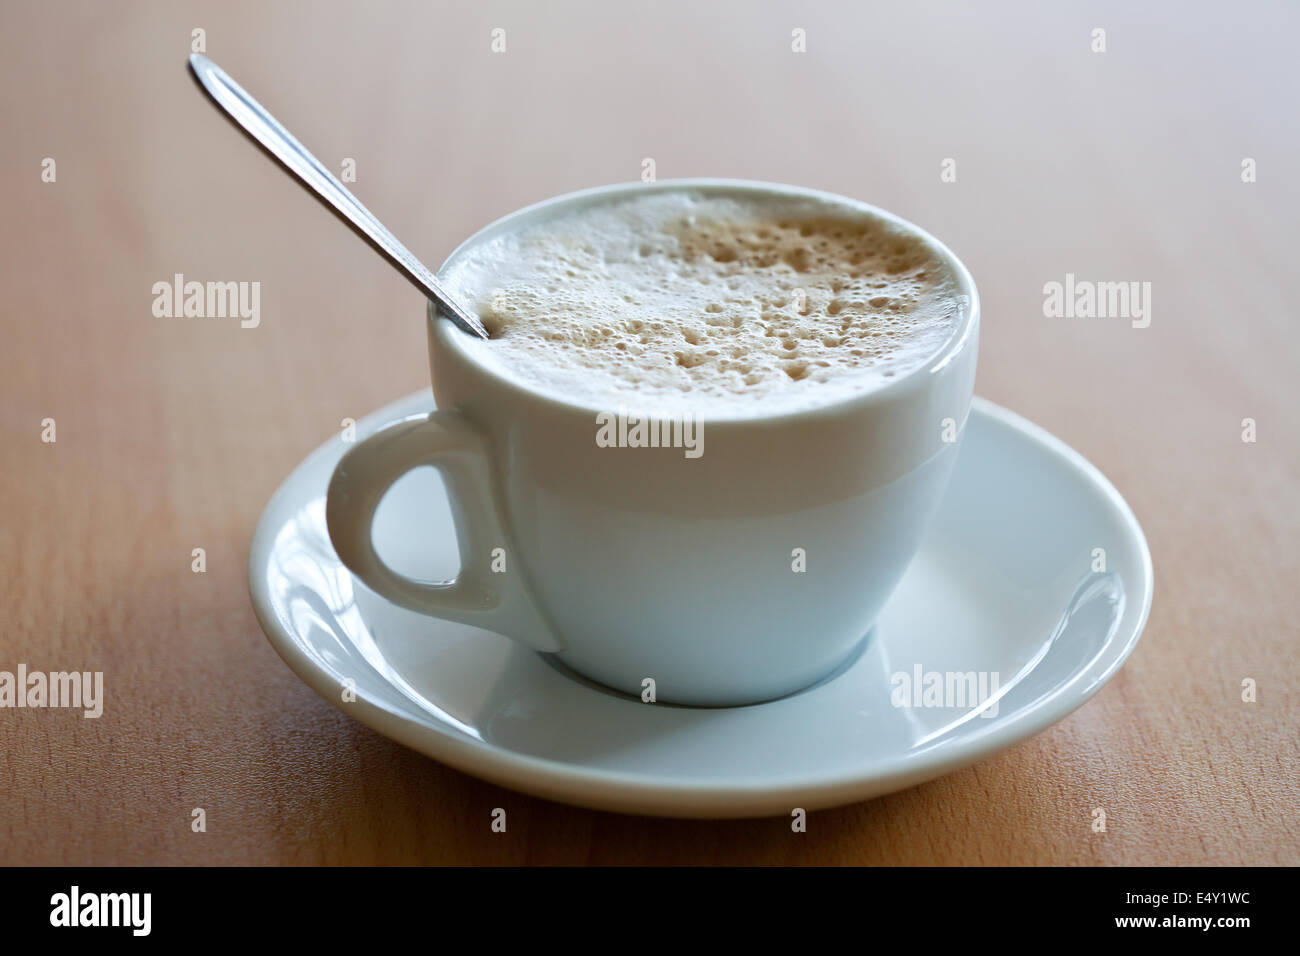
x=720 y=304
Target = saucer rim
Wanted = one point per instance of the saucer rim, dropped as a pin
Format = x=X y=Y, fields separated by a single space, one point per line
x=653 y=794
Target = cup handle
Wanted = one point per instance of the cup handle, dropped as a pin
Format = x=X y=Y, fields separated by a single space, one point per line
x=495 y=600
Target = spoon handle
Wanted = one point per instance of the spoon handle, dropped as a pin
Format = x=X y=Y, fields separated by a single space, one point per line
x=267 y=132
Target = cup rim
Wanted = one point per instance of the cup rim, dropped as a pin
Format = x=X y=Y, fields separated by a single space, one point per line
x=447 y=336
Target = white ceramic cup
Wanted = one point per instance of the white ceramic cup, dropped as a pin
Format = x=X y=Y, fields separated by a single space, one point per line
x=642 y=564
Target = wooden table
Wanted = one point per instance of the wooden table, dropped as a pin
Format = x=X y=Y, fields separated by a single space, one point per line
x=1123 y=165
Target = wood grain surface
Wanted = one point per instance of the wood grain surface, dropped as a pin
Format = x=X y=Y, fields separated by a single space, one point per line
x=1122 y=165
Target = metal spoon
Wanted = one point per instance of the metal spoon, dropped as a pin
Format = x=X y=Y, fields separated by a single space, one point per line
x=279 y=143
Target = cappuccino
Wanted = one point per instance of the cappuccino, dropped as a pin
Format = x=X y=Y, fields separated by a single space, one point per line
x=723 y=304
x=825 y=350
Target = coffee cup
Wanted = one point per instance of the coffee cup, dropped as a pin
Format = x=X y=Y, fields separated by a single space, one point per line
x=741 y=573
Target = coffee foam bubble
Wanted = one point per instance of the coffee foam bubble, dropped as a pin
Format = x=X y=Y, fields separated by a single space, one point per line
x=718 y=304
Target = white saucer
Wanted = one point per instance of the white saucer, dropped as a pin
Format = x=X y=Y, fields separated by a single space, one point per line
x=1004 y=583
